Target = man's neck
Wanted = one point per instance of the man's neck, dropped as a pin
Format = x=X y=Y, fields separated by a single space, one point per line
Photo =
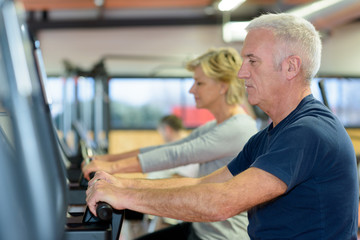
x=286 y=105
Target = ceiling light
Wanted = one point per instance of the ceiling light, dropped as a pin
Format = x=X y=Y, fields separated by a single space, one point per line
x=234 y=31
x=228 y=5
x=99 y=3
x=312 y=8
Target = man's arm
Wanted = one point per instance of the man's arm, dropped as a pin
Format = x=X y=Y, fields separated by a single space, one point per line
x=212 y=200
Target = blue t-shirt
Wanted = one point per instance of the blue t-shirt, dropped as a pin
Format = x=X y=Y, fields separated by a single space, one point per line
x=312 y=153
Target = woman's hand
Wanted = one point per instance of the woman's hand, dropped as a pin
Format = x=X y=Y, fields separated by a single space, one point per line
x=96 y=165
x=104 y=158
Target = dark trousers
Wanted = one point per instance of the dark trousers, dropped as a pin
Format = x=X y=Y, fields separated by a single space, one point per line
x=182 y=231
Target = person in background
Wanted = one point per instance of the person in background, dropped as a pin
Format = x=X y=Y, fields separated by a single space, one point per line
x=171 y=129
x=297 y=178
x=218 y=89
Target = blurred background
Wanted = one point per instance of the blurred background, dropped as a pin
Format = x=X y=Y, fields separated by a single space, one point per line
x=117 y=66
x=96 y=76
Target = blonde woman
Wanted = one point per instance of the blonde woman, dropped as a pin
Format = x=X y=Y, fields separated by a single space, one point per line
x=218 y=89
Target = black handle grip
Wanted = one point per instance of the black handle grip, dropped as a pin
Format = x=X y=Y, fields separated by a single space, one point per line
x=91 y=175
x=104 y=211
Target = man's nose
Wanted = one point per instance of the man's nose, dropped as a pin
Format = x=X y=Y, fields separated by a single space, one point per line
x=243 y=73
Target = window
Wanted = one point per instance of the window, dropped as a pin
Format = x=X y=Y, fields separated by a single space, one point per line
x=343 y=98
x=71 y=99
x=141 y=102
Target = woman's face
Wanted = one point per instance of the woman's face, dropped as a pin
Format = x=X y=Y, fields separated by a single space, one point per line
x=208 y=92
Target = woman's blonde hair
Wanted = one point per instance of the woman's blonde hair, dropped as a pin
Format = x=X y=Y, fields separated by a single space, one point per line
x=222 y=64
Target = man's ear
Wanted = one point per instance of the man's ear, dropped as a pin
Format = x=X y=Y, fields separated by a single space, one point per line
x=293 y=66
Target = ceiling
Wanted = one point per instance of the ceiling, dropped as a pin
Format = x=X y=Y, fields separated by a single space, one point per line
x=155 y=34
x=50 y=14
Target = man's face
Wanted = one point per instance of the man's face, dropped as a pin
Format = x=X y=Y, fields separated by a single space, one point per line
x=263 y=80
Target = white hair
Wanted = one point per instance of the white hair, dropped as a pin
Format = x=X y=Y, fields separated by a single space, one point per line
x=297 y=35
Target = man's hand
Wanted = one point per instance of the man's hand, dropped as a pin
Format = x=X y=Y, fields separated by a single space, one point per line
x=101 y=175
x=100 y=190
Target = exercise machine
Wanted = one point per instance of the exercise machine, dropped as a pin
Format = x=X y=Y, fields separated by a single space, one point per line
x=35 y=191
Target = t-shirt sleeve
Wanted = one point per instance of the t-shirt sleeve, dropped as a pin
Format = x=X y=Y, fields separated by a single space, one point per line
x=241 y=162
x=291 y=156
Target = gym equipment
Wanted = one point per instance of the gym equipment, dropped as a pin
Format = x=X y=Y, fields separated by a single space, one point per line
x=33 y=171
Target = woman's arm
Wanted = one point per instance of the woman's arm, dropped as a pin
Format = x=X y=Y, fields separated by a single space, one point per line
x=127 y=162
x=127 y=165
x=213 y=142
x=116 y=157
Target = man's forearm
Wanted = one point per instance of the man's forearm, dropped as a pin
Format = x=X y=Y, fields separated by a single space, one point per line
x=159 y=183
x=195 y=203
x=182 y=198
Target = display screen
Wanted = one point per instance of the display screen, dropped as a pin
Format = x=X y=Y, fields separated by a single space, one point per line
x=343 y=98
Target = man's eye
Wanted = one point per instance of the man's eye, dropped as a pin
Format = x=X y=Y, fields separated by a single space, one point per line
x=252 y=61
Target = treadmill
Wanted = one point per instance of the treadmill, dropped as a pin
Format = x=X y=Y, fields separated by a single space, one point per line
x=35 y=199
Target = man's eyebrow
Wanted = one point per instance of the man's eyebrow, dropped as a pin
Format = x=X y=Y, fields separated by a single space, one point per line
x=250 y=55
